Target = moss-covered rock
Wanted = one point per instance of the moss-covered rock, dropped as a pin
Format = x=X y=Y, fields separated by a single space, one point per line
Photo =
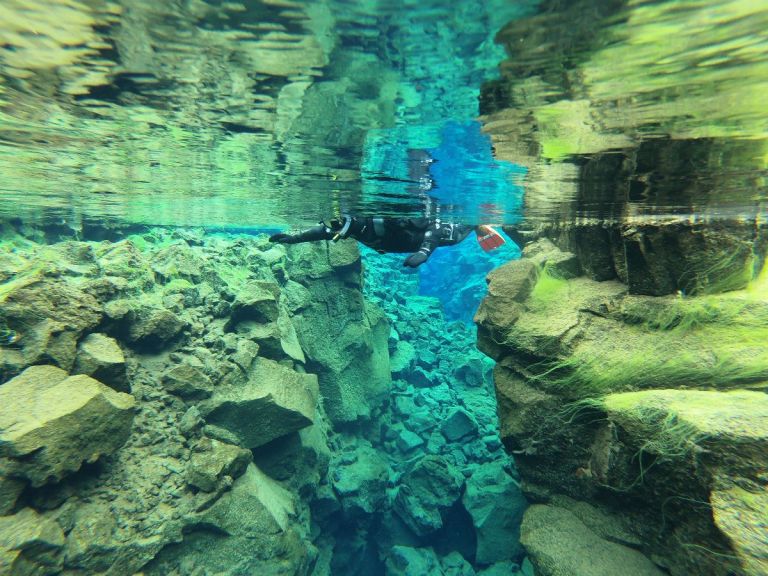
x=247 y=530
x=496 y=505
x=344 y=339
x=211 y=460
x=426 y=492
x=645 y=407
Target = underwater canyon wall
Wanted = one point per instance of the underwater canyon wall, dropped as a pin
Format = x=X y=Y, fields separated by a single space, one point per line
x=180 y=403
x=630 y=338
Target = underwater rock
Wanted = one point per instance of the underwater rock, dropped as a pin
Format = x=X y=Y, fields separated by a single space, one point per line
x=360 y=481
x=429 y=488
x=124 y=260
x=459 y=424
x=473 y=372
x=248 y=530
x=52 y=422
x=10 y=490
x=496 y=504
x=177 y=261
x=91 y=544
x=30 y=544
x=152 y=327
x=420 y=378
x=48 y=317
x=403 y=358
x=740 y=515
x=212 y=459
x=276 y=340
x=188 y=382
x=404 y=561
x=454 y=564
x=191 y=422
x=273 y=402
x=557 y=543
x=299 y=459
x=257 y=301
x=559 y=264
x=508 y=286
x=506 y=568
x=594 y=393
x=346 y=340
x=408 y=441
x=100 y=357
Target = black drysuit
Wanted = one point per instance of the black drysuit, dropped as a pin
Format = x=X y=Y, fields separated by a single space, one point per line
x=418 y=235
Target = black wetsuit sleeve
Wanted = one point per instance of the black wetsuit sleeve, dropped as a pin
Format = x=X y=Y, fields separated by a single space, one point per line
x=319 y=232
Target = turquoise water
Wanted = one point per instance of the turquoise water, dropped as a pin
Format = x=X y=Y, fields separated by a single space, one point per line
x=239 y=115
x=179 y=395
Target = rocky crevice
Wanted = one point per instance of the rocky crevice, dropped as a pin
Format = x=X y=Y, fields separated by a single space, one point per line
x=190 y=404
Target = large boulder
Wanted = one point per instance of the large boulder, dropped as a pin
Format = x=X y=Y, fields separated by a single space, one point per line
x=276 y=339
x=30 y=544
x=177 y=261
x=429 y=489
x=346 y=340
x=496 y=505
x=124 y=260
x=47 y=318
x=52 y=422
x=100 y=357
x=149 y=326
x=508 y=286
x=559 y=543
x=459 y=424
x=257 y=301
x=275 y=401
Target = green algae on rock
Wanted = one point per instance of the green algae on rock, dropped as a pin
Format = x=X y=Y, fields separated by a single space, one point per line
x=651 y=408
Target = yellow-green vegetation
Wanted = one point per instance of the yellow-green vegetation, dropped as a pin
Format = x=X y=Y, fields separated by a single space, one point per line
x=675 y=423
x=714 y=341
x=548 y=289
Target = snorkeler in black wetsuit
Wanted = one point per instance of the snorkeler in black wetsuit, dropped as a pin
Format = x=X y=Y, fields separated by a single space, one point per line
x=421 y=236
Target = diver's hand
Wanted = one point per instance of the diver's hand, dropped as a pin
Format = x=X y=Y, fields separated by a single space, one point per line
x=283 y=238
x=415 y=260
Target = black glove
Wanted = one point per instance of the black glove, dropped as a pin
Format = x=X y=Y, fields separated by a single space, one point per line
x=283 y=238
x=415 y=260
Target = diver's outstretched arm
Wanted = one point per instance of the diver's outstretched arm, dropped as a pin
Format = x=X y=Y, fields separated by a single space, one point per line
x=431 y=241
x=319 y=232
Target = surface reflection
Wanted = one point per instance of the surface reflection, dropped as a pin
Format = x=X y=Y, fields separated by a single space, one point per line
x=226 y=113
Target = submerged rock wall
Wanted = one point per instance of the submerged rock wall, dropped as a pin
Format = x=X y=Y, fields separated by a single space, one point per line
x=630 y=338
x=164 y=400
x=638 y=423
x=182 y=403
